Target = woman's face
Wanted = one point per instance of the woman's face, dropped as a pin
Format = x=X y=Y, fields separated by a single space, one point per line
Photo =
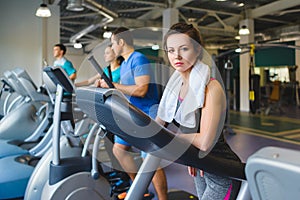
x=181 y=52
x=109 y=55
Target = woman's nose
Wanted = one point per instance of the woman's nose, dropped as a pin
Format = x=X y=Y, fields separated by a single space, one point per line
x=178 y=56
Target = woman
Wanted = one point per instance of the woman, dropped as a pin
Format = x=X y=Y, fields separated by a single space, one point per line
x=112 y=70
x=194 y=102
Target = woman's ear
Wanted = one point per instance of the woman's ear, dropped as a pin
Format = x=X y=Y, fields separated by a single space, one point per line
x=121 y=42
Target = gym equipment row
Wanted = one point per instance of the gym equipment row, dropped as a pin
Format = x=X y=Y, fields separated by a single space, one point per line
x=25 y=165
x=20 y=153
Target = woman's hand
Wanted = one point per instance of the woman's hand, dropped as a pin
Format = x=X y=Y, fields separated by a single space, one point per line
x=201 y=173
x=103 y=83
x=193 y=171
x=97 y=83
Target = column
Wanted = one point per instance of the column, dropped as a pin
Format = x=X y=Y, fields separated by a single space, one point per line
x=170 y=17
x=244 y=65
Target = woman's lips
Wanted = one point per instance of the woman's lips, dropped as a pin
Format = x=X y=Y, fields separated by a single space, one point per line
x=178 y=63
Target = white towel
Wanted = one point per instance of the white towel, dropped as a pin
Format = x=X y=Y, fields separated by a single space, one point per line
x=185 y=115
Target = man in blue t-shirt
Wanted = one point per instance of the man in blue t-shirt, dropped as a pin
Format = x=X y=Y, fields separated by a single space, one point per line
x=59 y=51
x=136 y=83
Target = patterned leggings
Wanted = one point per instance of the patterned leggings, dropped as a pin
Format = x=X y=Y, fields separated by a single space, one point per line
x=213 y=187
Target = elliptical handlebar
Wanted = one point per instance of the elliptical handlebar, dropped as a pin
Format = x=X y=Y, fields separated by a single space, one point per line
x=100 y=71
x=4 y=88
x=59 y=77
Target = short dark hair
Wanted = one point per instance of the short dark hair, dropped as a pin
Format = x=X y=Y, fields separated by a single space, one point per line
x=62 y=47
x=125 y=34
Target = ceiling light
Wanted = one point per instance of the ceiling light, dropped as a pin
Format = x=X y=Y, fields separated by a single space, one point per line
x=238 y=50
x=74 y=5
x=155 y=29
x=155 y=47
x=192 y=19
x=77 y=45
x=107 y=34
x=43 y=11
x=244 y=30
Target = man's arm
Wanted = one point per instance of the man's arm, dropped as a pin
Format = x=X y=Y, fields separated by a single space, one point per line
x=73 y=76
x=140 y=88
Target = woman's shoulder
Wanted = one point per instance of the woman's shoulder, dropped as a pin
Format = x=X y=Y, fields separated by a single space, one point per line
x=215 y=87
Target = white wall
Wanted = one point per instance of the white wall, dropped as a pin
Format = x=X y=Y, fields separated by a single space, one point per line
x=22 y=35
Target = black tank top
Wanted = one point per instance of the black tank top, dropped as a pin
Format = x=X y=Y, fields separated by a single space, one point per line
x=220 y=149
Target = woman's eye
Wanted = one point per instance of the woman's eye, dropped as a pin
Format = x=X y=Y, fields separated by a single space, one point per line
x=171 y=51
x=184 y=49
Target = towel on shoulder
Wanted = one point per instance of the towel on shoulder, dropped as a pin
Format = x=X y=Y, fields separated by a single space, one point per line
x=185 y=115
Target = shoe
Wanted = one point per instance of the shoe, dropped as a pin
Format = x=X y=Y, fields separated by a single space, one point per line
x=116 y=176
x=112 y=175
x=147 y=196
x=122 y=195
x=119 y=187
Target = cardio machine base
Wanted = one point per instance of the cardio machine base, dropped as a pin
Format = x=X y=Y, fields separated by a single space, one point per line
x=14 y=177
x=77 y=187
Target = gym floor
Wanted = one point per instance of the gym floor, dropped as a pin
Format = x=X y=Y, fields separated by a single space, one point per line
x=251 y=133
